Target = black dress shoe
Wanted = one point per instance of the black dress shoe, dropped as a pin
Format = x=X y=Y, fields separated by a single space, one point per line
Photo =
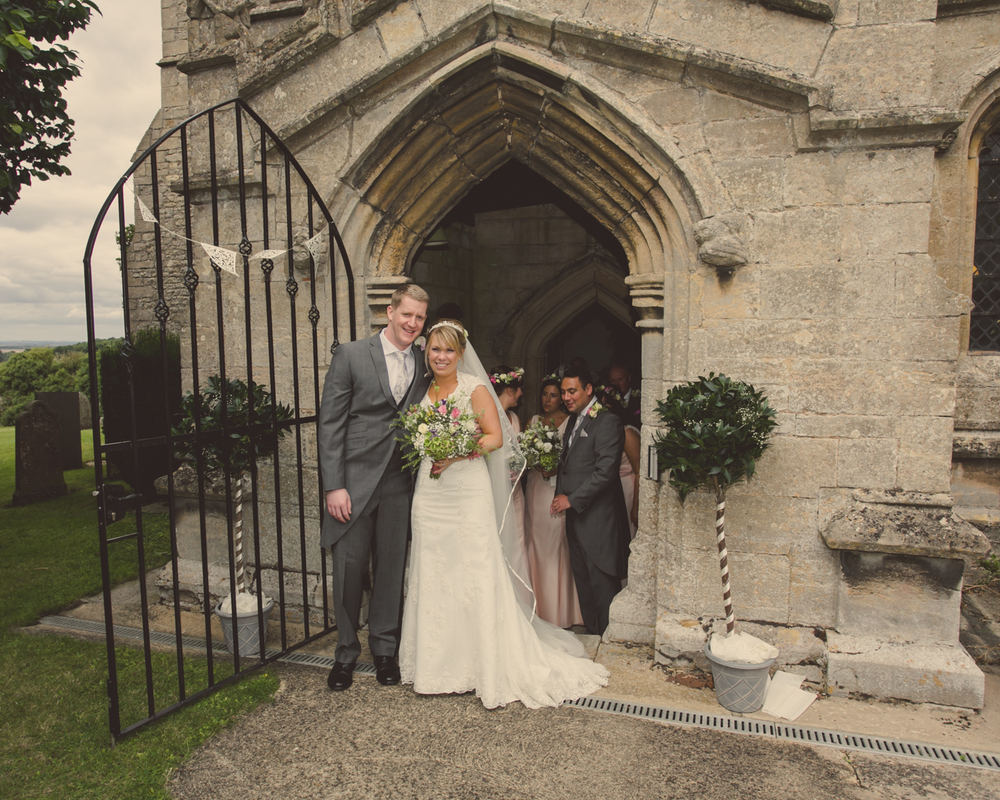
x=341 y=676
x=386 y=670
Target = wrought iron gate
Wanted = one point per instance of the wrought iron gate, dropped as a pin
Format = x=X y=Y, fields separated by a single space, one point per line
x=221 y=207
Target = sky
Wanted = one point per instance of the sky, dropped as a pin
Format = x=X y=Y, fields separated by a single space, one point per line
x=42 y=240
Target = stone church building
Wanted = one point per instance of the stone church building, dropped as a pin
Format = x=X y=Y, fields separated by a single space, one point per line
x=801 y=194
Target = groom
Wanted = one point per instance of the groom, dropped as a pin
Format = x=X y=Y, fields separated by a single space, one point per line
x=589 y=490
x=367 y=491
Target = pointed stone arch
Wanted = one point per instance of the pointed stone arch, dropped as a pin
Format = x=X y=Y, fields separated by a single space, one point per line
x=501 y=102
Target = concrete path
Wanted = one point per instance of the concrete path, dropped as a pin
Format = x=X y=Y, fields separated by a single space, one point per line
x=378 y=742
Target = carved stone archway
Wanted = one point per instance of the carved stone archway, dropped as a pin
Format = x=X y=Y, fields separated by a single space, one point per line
x=499 y=102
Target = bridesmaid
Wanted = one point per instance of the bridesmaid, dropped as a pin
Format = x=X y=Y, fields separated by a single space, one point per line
x=508 y=383
x=548 y=553
x=628 y=470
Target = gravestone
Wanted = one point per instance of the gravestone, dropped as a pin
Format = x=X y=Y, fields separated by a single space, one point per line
x=86 y=423
x=66 y=406
x=38 y=471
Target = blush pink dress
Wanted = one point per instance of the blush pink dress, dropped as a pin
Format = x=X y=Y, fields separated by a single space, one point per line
x=548 y=554
x=628 y=478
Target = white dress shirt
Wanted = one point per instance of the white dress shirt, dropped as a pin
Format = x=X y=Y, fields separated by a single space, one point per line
x=580 y=418
x=392 y=364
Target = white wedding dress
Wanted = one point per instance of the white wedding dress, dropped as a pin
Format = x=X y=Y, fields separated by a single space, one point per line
x=463 y=627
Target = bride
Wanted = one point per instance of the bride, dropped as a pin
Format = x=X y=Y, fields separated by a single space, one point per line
x=468 y=620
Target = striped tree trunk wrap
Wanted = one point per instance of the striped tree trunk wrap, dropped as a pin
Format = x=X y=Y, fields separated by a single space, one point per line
x=720 y=537
x=238 y=533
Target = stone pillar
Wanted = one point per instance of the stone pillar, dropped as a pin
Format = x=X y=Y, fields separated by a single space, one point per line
x=634 y=610
x=37 y=461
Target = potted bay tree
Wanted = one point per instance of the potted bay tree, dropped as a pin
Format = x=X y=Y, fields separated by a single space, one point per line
x=717 y=430
x=228 y=428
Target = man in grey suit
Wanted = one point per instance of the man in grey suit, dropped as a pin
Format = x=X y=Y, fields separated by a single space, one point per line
x=589 y=491
x=367 y=491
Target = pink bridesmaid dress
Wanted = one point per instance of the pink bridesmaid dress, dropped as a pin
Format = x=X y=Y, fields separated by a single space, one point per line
x=548 y=554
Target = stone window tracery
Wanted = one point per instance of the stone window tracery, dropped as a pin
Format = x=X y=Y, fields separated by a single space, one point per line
x=984 y=333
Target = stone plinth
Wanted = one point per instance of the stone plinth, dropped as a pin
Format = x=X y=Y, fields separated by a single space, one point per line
x=921 y=673
x=899 y=600
x=38 y=459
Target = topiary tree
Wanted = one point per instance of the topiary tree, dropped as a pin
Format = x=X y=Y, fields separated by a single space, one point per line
x=238 y=426
x=718 y=429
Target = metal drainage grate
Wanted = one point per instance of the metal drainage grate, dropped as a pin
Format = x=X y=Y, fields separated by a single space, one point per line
x=795 y=733
x=670 y=716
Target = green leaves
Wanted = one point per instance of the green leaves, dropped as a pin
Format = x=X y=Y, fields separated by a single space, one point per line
x=244 y=414
x=718 y=429
x=35 y=131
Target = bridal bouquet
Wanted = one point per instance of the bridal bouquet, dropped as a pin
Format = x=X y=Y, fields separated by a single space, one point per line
x=541 y=444
x=436 y=432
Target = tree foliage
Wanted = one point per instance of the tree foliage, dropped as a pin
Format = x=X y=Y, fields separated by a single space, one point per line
x=228 y=406
x=38 y=370
x=718 y=429
x=35 y=129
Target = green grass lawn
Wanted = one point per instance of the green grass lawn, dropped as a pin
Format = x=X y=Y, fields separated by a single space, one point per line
x=54 y=735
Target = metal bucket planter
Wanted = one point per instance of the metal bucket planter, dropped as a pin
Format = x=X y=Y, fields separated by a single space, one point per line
x=739 y=687
x=247 y=632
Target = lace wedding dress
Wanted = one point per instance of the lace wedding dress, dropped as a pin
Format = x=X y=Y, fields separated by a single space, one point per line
x=464 y=628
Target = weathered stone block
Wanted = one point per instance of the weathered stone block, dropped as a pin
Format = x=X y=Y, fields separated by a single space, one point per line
x=925 y=457
x=754 y=183
x=619 y=14
x=673 y=104
x=867 y=463
x=874 y=12
x=753 y=138
x=844 y=426
x=883 y=232
x=794 y=467
x=758 y=33
x=754 y=523
x=401 y=29
x=798 y=237
x=879 y=66
x=813 y=577
x=919 y=673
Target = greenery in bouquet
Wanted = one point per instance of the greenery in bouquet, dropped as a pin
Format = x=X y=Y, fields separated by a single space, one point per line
x=541 y=445
x=436 y=432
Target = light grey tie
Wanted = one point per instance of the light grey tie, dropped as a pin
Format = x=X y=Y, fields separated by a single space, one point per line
x=399 y=389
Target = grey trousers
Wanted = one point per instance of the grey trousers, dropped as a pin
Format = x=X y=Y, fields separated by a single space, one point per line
x=595 y=588
x=379 y=531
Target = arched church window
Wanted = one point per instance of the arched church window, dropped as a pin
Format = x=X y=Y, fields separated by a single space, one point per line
x=984 y=332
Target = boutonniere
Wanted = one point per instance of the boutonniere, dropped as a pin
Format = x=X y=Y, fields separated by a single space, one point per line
x=636 y=394
x=420 y=342
x=594 y=410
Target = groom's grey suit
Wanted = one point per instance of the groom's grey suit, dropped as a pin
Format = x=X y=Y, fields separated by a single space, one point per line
x=358 y=451
x=597 y=529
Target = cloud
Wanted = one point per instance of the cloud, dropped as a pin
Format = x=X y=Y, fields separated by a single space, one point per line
x=43 y=239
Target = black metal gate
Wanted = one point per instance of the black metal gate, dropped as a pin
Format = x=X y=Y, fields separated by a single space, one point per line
x=221 y=207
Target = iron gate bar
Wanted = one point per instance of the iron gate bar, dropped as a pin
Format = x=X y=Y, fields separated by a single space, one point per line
x=164 y=442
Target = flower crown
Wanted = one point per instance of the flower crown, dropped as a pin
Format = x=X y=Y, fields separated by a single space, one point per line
x=447 y=323
x=507 y=378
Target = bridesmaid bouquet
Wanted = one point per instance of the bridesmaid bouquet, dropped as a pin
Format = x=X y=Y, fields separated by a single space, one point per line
x=436 y=432
x=541 y=444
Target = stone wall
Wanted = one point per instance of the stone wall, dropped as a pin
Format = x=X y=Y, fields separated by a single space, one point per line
x=791 y=186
